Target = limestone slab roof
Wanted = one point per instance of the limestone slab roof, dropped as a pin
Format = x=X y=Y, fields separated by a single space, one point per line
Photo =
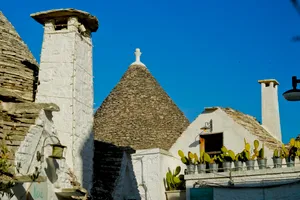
x=16 y=120
x=18 y=67
x=139 y=113
x=254 y=127
x=90 y=21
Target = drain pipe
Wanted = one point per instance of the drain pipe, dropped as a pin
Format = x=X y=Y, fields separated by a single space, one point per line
x=142 y=176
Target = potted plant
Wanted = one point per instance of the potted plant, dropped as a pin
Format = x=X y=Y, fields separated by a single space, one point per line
x=290 y=153
x=201 y=165
x=238 y=162
x=247 y=157
x=277 y=158
x=212 y=163
x=227 y=157
x=297 y=145
x=188 y=161
x=261 y=160
x=175 y=185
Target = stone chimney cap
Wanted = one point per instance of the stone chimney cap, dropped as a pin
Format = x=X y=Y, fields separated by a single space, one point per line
x=269 y=81
x=138 y=54
x=90 y=21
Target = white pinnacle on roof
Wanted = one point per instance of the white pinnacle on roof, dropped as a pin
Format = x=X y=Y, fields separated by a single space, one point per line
x=138 y=54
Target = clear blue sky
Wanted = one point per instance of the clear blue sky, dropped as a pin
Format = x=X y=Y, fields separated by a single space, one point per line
x=203 y=53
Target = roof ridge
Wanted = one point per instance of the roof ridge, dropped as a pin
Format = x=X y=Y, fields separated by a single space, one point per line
x=251 y=124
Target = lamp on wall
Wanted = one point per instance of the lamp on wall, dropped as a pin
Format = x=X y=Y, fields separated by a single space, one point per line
x=294 y=93
x=208 y=126
x=57 y=148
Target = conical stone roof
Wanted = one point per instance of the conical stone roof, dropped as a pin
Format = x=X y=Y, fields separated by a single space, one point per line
x=139 y=113
x=18 y=68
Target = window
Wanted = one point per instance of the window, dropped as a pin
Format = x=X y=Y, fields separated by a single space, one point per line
x=212 y=143
x=61 y=24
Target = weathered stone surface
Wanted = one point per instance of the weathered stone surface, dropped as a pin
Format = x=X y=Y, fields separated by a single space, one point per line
x=254 y=127
x=107 y=164
x=18 y=68
x=139 y=113
x=91 y=22
x=16 y=119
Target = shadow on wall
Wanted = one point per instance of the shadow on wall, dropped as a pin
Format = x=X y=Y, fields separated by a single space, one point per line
x=87 y=155
x=108 y=172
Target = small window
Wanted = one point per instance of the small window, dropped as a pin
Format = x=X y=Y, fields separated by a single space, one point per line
x=61 y=24
x=212 y=143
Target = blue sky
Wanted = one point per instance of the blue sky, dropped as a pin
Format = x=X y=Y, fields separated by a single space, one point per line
x=203 y=53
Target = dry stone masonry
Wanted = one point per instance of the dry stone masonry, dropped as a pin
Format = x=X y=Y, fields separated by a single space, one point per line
x=18 y=68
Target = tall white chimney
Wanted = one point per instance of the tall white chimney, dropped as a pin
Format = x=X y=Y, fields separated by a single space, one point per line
x=66 y=79
x=270 y=107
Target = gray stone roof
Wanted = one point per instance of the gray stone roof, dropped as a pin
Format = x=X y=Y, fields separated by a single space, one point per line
x=18 y=68
x=107 y=166
x=90 y=21
x=254 y=127
x=139 y=113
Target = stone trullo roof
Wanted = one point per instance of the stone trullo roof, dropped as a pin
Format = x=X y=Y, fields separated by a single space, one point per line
x=18 y=68
x=250 y=124
x=139 y=113
x=18 y=82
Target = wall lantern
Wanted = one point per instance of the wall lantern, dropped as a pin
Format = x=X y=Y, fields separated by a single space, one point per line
x=208 y=126
x=57 y=148
x=294 y=93
x=57 y=151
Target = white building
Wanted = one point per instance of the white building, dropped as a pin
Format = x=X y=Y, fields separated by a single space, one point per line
x=28 y=125
x=138 y=129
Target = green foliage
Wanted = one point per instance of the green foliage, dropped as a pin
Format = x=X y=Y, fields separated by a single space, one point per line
x=226 y=155
x=175 y=180
x=261 y=153
x=278 y=153
x=183 y=158
x=5 y=166
x=190 y=159
x=5 y=170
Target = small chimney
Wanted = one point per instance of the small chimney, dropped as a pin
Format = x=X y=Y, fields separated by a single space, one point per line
x=270 y=107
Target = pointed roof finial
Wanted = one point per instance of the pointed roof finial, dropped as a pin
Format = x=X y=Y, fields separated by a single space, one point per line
x=138 y=54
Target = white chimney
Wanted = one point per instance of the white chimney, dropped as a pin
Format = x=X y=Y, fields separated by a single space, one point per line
x=66 y=79
x=270 y=107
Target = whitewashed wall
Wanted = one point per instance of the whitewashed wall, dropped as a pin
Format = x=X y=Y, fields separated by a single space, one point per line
x=66 y=79
x=155 y=163
x=167 y=160
x=126 y=186
x=234 y=134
